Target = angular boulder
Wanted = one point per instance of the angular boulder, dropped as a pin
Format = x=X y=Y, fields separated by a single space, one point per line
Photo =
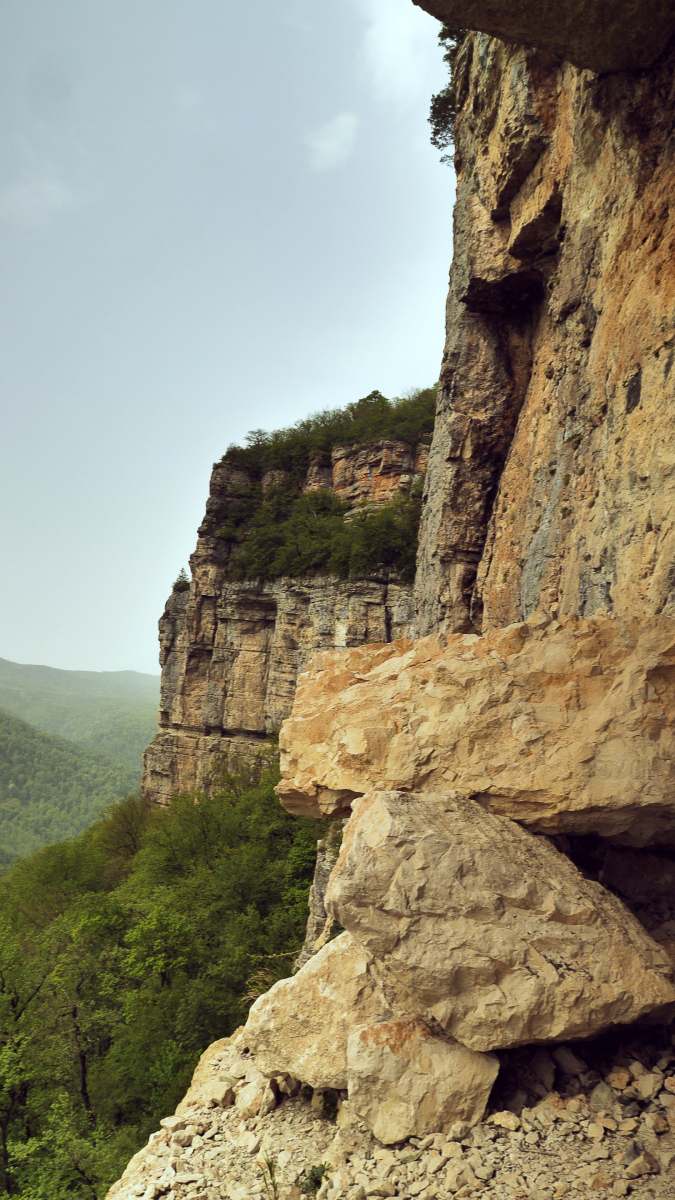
x=567 y=727
x=405 y=1081
x=489 y=927
x=302 y=1024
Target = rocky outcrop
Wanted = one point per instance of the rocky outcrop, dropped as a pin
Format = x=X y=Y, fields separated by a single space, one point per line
x=565 y=726
x=550 y=480
x=605 y=35
x=533 y=720
x=231 y=652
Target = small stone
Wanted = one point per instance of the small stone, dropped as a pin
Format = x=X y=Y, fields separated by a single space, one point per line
x=532 y=1139
x=595 y=1131
x=637 y=1069
x=644 y=1164
x=621 y=1188
x=504 y=1120
x=648 y=1085
x=629 y=1125
x=619 y=1078
x=172 y=1124
x=656 y=1122
x=668 y=1083
x=601 y=1098
x=457 y=1131
x=567 y=1061
x=452 y=1150
x=601 y=1181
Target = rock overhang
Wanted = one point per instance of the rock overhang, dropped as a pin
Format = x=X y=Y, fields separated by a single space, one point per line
x=603 y=35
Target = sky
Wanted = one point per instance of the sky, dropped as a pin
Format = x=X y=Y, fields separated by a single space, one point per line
x=215 y=216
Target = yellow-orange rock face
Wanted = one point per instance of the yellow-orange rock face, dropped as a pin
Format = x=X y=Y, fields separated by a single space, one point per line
x=551 y=480
x=564 y=726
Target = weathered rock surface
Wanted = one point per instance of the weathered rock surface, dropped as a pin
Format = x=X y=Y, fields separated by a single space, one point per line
x=231 y=652
x=344 y=1022
x=605 y=35
x=550 y=480
x=406 y=1082
x=564 y=726
x=302 y=1024
x=489 y=927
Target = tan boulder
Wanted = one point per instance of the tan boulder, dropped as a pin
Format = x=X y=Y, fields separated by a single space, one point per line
x=491 y=929
x=563 y=726
x=302 y=1024
x=404 y=1081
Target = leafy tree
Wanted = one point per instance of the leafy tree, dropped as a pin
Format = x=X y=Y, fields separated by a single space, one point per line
x=123 y=954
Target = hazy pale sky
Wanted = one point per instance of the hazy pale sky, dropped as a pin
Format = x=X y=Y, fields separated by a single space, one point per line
x=215 y=216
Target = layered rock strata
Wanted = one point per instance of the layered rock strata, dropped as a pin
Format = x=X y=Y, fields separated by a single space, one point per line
x=565 y=726
x=550 y=481
x=231 y=652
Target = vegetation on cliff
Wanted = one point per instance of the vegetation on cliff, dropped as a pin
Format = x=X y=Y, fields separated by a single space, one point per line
x=369 y=420
x=443 y=110
x=304 y=535
x=51 y=788
x=280 y=531
x=123 y=954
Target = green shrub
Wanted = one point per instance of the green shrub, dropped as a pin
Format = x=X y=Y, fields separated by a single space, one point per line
x=443 y=111
x=307 y=535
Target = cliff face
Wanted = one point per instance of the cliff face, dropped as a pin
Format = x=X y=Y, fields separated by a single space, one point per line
x=231 y=652
x=495 y=770
x=550 y=481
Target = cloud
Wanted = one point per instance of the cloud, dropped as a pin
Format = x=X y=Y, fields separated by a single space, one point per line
x=399 y=50
x=331 y=145
x=34 y=199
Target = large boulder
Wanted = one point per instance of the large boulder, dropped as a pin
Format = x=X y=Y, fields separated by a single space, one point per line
x=405 y=1080
x=567 y=727
x=302 y=1024
x=489 y=927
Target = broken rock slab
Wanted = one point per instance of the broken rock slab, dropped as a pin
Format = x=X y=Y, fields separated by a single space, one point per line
x=406 y=1081
x=302 y=1024
x=490 y=928
x=567 y=727
x=341 y=1022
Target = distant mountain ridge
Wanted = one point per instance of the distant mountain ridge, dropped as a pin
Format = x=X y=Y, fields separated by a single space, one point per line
x=107 y=712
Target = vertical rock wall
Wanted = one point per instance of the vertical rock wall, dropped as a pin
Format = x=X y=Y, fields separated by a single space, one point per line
x=550 y=481
x=231 y=652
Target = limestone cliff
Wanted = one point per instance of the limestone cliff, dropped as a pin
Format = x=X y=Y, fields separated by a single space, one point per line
x=550 y=481
x=495 y=769
x=231 y=652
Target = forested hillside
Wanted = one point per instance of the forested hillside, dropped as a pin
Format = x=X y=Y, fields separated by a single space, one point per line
x=124 y=953
x=51 y=788
x=110 y=712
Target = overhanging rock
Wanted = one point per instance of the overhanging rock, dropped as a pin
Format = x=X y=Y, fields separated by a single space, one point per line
x=605 y=35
